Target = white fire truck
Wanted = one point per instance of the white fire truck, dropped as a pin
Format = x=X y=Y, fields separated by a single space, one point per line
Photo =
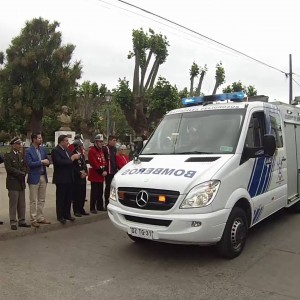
x=209 y=172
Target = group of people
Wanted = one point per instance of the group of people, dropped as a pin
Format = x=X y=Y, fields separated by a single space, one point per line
x=70 y=176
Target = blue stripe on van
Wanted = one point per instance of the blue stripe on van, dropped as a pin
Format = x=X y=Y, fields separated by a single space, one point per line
x=257 y=171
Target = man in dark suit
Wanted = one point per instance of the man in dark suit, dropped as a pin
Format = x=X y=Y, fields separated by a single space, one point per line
x=63 y=178
x=1 y=161
x=36 y=160
x=79 y=185
x=15 y=183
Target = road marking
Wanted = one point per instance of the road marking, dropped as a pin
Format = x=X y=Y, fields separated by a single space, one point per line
x=91 y=287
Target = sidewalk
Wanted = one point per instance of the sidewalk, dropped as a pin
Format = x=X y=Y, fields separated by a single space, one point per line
x=49 y=211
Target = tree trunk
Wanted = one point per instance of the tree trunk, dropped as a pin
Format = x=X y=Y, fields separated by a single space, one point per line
x=198 y=91
x=137 y=119
x=192 y=86
x=215 y=88
x=154 y=74
x=136 y=77
x=35 y=124
x=36 y=120
x=143 y=73
x=150 y=75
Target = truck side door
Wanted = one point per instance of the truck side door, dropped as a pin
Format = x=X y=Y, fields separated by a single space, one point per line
x=267 y=184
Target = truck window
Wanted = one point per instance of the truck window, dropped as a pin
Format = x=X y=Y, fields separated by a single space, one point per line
x=197 y=132
x=276 y=129
x=256 y=131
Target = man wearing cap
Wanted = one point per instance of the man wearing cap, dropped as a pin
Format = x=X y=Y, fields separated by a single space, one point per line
x=63 y=178
x=79 y=185
x=37 y=161
x=15 y=183
x=97 y=173
x=77 y=137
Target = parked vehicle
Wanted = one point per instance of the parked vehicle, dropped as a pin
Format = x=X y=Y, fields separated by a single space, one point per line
x=211 y=171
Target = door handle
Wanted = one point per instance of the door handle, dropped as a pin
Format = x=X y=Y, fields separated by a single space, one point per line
x=283 y=159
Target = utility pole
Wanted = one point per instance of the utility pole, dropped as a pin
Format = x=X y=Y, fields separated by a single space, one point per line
x=291 y=82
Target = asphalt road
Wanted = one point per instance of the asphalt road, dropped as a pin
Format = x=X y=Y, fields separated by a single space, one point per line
x=97 y=261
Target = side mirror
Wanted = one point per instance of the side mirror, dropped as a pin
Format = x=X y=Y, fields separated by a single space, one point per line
x=269 y=144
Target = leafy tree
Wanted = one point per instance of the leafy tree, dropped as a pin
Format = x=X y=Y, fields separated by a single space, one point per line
x=161 y=98
x=239 y=87
x=194 y=72
x=148 y=49
x=86 y=104
x=164 y=97
x=37 y=73
x=183 y=93
x=220 y=76
x=251 y=91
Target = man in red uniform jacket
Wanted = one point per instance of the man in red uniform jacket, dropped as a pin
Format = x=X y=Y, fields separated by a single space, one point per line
x=97 y=172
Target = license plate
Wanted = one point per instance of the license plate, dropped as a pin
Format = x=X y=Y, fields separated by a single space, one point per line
x=142 y=233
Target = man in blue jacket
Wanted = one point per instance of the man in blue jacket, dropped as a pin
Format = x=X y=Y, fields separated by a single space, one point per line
x=37 y=161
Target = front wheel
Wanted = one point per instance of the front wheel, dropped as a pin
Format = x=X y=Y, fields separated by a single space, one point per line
x=235 y=233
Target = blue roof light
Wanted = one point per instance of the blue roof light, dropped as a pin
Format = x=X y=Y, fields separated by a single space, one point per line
x=236 y=97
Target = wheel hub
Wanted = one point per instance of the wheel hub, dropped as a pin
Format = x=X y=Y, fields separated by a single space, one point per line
x=238 y=234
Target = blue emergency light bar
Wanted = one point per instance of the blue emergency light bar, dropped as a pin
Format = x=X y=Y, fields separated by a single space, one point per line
x=191 y=101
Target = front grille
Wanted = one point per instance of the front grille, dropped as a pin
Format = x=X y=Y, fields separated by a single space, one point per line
x=149 y=221
x=127 y=197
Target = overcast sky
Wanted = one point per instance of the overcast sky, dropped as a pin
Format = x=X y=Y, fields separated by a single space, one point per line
x=267 y=30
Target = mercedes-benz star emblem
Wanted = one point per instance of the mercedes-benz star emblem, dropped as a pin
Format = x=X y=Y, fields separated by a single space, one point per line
x=142 y=198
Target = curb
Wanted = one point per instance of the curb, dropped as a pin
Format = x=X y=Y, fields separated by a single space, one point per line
x=51 y=227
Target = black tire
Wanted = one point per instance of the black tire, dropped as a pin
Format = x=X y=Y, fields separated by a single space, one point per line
x=137 y=239
x=296 y=207
x=234 y=236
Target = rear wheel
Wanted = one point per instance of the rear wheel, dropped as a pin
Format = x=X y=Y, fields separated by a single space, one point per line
x=234 y=235
x=296 y=207
x=136 y=239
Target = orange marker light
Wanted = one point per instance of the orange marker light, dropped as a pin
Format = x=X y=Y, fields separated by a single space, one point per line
x=162 y=198
x=121 y=195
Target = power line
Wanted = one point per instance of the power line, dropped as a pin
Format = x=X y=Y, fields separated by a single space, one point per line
x=203 y=36
x=296 y=82
x=212 y=41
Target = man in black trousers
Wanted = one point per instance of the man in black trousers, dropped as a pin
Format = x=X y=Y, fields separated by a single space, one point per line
x=110 y=153
x=63 y=178
x=1 y=161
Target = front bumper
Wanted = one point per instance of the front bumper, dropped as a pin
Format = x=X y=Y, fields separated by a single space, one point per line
x=180 y=230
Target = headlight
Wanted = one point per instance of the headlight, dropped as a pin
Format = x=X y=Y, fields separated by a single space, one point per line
x=201 y=195
x=113 y=193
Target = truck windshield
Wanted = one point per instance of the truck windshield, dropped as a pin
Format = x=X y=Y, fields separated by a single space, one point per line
x=198 y=132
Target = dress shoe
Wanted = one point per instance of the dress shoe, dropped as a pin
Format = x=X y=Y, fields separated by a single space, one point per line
x=78 y=215
x=70 y=218
x=13 y=227
x=62 y=221
x=1 y=222
x=44 y=222
x=35 y=224
x=85 y=213
x=93 y=211
x=25 y=225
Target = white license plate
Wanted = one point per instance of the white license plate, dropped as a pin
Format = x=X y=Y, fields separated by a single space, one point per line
x=142 y=233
